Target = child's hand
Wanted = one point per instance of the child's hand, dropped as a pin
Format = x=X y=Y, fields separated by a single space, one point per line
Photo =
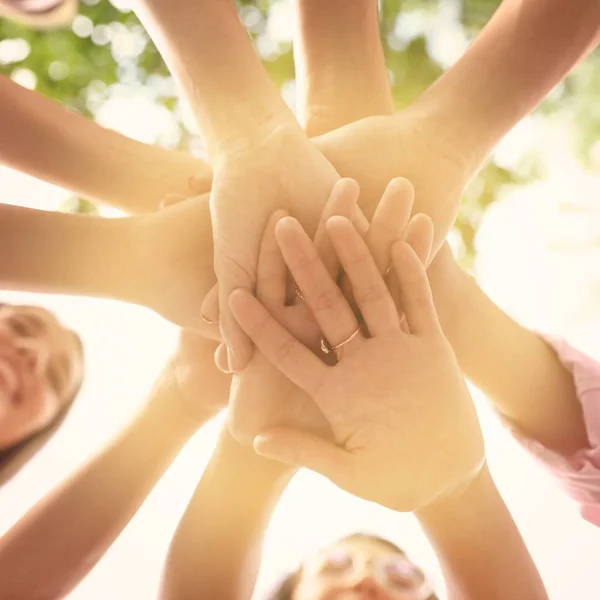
x=404 y=426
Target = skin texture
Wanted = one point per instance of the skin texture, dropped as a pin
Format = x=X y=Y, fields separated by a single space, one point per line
x=40 y=371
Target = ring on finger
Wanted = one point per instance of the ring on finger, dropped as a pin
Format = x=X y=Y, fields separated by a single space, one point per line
x=327 y=348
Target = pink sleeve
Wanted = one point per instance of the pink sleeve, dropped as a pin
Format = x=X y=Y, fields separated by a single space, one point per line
x=579 y=473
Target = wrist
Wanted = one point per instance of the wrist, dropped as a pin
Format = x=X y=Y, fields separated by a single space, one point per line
x=434 y=111
x=460 y=499
x=168 y=407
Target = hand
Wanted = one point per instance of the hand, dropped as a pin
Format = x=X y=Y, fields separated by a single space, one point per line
x=405 y=430
x=204 y=389
x=195 y=389
x=262 y=397
x=283 y=171
x=173 y=262
x=409 y=144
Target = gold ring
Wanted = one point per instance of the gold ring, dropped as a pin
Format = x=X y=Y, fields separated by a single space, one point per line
x=327 y=348
x=298 y=292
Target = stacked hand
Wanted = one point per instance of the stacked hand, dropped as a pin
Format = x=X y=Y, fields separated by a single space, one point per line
x=283 y=171
x=261 y=396
x=404 y=428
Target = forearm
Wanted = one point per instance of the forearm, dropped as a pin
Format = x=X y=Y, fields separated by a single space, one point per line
x=216 y=549
x=340 y=66
x=210 y=54
x=525 y=50
x=53 y=252
x=48 y=552
x=61 y=147
x=479 y=546
x=516 y=369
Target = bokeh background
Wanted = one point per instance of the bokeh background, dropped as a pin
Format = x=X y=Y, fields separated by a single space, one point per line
x=529 y=229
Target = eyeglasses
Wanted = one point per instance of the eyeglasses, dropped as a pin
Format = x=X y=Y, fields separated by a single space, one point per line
x=394 y=572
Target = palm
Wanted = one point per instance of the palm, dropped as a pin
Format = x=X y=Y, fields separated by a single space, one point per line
x=414 y=427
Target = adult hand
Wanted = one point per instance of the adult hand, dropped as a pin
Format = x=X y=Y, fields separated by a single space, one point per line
x=405 y=430
x=283 y=170
x=409 y=144
x=172 y=265
x=262 y=397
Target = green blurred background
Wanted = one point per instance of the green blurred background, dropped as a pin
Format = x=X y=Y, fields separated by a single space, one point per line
x=106 y=46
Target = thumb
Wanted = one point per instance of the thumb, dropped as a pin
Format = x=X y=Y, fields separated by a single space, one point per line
x=302 y=449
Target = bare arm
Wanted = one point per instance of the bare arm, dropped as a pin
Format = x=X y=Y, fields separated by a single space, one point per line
x=514 y=367
x=476 y=523
x=479 y=546
x=44 y=140
x=216 y=550
x=340 y=66
x=49 y=551
x=526 y=49
x=53 y=252
x=209 y=52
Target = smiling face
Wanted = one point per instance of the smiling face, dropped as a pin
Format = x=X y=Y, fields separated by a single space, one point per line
x=32 y=6
x=40 y=371
x=360 y=568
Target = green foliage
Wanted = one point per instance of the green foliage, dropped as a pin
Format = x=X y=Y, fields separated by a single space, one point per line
x=77 y=67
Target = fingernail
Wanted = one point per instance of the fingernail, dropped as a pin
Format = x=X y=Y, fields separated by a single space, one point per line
x=206 y=319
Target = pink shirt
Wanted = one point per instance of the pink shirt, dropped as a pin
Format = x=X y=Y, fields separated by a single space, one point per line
x=579 y=473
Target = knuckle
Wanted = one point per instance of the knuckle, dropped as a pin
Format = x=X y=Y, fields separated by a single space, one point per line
x=327 y=299
x=285 y=349
x=372 y=293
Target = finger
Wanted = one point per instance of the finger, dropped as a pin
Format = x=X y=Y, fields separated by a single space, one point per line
x=419 y=236
x=302 y=449
x=389 y=221
x=368 y=286
x=271 y=271
x=239 y=346
x=321 y=293
x=209 y=309
x=200 y=182
x=221 y=360
x=343 y=201
x=415 y=292
x=293 y=359
x=171 y=199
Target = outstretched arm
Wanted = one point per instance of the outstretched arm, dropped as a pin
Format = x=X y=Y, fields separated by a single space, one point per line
x=216 y=550
x=340 y=67
x=526 y=49
x=479 y=547
x=45 y=140
x=49 y=551
x=517 y=370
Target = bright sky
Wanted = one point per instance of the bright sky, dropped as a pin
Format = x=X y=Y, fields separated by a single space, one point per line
x=539 y=258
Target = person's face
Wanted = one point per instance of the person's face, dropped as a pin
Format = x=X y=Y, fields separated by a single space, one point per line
x=360 y=570
x=40 y=370
x=32 y=6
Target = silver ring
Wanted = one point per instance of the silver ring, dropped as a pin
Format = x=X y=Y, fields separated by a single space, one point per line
x=327 y=348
